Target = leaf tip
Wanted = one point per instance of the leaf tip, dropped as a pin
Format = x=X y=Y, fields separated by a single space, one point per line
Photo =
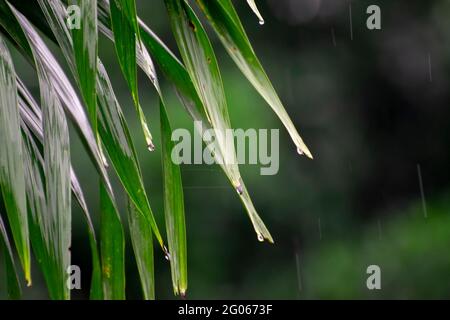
x=303 y=150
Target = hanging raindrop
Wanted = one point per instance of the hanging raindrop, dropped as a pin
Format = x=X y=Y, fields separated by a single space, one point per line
x=151 y=147
x=261 y=22
x=300 y=151
x=240 y=189
x=260 y=237
x=166 y=253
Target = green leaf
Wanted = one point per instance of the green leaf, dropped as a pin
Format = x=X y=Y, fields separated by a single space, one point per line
x=41 y=221
x=112 y=248
x=57 y=178
x=12 y=277
x=56 y=224
x=64 y=91
x=225 y=21
x=201 y=64
x=85 y=50
x=141 y=236
x=123 y=17
x=173 y=208
x=32 y=120
x=173 y=188
x=115 y=135
x=118 y=143
x=12 y=179
x=175 y=211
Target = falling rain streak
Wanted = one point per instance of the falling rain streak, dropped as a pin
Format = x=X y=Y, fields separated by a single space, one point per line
x=351 y=20
x=299 y=278
x=422 y=192
x=430 y=68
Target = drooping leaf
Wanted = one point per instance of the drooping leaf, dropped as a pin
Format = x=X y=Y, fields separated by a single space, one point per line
x=56 y=224
x=175 y=211
x=85 y=49
x=32 y=120
x=171 y=67
x=64 y=91
x=173 y=187
x=201 y=64
x=112 y=250
x=118 y=143
x=141 y=240
x=57 y=180
x=225 y=21
x=12 y=277
x=124 y=26
x=12 y=179
x=41 y=232
x=173 y=208
x=116 y=138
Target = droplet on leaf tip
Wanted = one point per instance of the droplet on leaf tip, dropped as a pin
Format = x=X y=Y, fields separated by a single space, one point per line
x=240 y=189
x=261 y=22
x=151 y=147
x=166 y=254
x=260 y=237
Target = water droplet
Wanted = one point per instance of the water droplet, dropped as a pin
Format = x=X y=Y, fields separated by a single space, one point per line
x=261 y=22
x=151 y=147
x=166 y=253
x=183 y=295
x=260 y=237
x=240 y=189
x=300 y=151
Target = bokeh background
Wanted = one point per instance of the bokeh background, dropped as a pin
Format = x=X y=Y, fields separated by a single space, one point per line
x=374 y=108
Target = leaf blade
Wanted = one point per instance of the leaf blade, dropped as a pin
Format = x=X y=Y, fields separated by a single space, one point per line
x=173 y=208
x=124 y=26
x=12 y=178
x=141 y=233
x=85 y=50
x=202 y=67
x=112 y=243
x=225 y=21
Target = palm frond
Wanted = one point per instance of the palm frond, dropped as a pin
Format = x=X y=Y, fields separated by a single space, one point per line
x=36 y=176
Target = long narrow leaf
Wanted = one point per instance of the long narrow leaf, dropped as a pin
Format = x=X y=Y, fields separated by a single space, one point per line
x=173 y=208
x=118 y=143
x=12 y=179
x=32 y=120
x=41 y=232
x=64 y=91
x=85 y=49
x=124 y=26
x=174 y=211
x=223 y=17
x=116 y=138
x=201 y=64
x=141 y=235
x=57 y=174
x=112 y=249
x=57 y=224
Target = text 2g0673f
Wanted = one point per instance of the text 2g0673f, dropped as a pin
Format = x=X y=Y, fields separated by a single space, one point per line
x=247 y=309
